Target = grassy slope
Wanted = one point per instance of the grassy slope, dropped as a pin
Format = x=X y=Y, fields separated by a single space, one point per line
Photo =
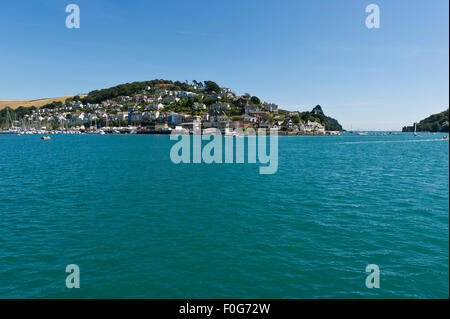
x=36 y=103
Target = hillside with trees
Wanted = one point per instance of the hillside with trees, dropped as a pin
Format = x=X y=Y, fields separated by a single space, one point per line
x=127 y=89
x=163 y=100
x=316 y=115
x=434 y=123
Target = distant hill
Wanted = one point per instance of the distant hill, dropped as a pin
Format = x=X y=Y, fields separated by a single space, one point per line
x=330 y=123
x=137 y=95
x=434 y=123
x=316 y=115
x=37 y=103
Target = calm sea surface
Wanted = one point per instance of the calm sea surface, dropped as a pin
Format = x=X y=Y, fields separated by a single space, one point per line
x=139 y=226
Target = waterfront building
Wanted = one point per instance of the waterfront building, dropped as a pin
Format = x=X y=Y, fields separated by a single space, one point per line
x=311 y=127
x=175 y=119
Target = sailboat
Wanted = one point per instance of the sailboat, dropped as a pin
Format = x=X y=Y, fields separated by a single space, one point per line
x=415 y=130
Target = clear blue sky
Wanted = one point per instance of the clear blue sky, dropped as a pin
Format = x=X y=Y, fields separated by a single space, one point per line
x=295 y=53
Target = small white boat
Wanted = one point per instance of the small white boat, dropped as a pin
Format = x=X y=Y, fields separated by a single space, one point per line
x=415 y=130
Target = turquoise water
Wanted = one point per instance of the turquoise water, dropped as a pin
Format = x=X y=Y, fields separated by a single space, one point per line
x=139 y=226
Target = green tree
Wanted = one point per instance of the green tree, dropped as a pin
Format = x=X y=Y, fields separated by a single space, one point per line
x=296 y=119
x=255 y=100
x=212 y=87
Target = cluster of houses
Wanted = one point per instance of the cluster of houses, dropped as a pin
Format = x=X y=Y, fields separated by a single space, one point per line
x=151 y=110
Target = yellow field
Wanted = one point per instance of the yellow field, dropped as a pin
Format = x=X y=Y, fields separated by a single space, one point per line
x=37 y=103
